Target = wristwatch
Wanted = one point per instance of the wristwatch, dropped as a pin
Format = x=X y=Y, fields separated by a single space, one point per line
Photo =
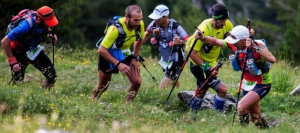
x=257 y=49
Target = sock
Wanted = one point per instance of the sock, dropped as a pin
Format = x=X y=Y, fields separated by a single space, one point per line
x=196 y=104
x=219 y=103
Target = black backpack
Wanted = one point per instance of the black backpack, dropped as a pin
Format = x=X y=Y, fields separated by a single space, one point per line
x=122 y=35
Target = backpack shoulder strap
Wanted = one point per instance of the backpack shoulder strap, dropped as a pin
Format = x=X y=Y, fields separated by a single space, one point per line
x=29 y=20
x=175 y=24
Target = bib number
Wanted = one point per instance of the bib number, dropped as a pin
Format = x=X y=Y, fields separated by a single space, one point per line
x=165 y=65
x=248 y=85
x=32 y=54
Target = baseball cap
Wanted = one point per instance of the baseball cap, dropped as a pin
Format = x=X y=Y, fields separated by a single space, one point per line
x=159 y=11
x=237 y=33
x=47 y=14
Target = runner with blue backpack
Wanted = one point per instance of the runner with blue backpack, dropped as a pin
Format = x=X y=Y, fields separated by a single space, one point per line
x=114 y=51
x=256 y=79
x=169 y=38
x=21 y=43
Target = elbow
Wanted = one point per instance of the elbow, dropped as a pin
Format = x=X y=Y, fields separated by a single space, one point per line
x=5 y=41
x=99 y=51
x=273 y=60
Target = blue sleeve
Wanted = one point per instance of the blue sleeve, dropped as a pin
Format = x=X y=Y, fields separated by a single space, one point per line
x=22 y=29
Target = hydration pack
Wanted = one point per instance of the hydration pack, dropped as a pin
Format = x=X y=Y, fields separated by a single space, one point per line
x=122 y=35
x=25 y=14
x=254 y=67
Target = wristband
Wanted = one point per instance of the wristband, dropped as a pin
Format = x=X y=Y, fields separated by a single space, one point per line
x=203 y=39
x=118 y=64
x=11 y=61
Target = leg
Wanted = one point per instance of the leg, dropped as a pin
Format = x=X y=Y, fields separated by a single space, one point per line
x=221 y=90
x=44 y=65
x=255 y=113
x=197 y=101
x=135 y=83
x=170 y=77
x=23 y=62
x=103 y=84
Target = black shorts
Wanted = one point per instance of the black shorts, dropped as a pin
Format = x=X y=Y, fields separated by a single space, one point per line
x=103 y=64
x=198 y=73
x=261 y=89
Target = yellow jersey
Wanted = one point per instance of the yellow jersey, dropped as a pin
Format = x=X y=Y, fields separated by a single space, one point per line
x=206 y=26
x=112 y=35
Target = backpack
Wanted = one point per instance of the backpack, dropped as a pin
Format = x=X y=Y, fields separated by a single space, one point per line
x=264 y=66
x=122 y=35
x=24 y=14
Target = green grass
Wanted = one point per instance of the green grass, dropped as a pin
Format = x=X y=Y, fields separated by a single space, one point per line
x=26 y=107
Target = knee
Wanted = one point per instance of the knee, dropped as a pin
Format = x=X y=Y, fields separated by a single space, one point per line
x=242 y=108
x=202 y=93
x=136 y=83
x=222 y=91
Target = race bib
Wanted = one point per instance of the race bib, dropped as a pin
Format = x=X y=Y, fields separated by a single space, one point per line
x=126 y=52
x=164 y=64
x=248 y=85
x=32 y=54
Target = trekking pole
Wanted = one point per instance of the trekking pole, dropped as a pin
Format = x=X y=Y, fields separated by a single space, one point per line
x=187 y=58
x=242 y=76
x=53 y=39
x=205 y=82
x=141 y=60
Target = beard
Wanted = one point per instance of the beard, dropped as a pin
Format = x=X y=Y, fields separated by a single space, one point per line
x=132 y=26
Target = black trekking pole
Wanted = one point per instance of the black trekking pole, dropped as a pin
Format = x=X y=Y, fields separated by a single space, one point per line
x=53 y=39
x=205 y=82
x=141 y=60
x=181 y=69
x=242 y=76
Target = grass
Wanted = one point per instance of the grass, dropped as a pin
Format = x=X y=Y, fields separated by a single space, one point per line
x=26 y=107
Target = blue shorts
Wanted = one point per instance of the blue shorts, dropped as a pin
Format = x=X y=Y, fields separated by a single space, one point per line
x=261 y=89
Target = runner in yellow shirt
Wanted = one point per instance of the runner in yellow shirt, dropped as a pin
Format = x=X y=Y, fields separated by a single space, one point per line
x=205 y=56
x=112 y=49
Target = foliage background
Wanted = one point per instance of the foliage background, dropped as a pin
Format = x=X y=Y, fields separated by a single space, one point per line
x=82 y=22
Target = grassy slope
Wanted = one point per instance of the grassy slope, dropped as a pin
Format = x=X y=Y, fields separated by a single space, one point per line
x=69 y=106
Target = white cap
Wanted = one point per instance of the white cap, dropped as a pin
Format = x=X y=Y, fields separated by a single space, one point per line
x=237 y=33
x=159 y=11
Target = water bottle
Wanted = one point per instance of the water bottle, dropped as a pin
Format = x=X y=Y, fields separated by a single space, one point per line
x=252 y=67
x=234 y=62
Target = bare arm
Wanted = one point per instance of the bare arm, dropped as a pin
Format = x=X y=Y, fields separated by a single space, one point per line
x=267 y=55
x=264 y=53
x=137 y=47
x=106 y=55
x=6 y=47
x=209 y=40
x=196 y=58
x=147 y=35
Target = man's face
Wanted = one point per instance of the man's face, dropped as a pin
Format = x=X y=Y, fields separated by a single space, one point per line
x=219 y=23
x=134 y=21
x=241 y=44
x=161 y=21
x=42 y=23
